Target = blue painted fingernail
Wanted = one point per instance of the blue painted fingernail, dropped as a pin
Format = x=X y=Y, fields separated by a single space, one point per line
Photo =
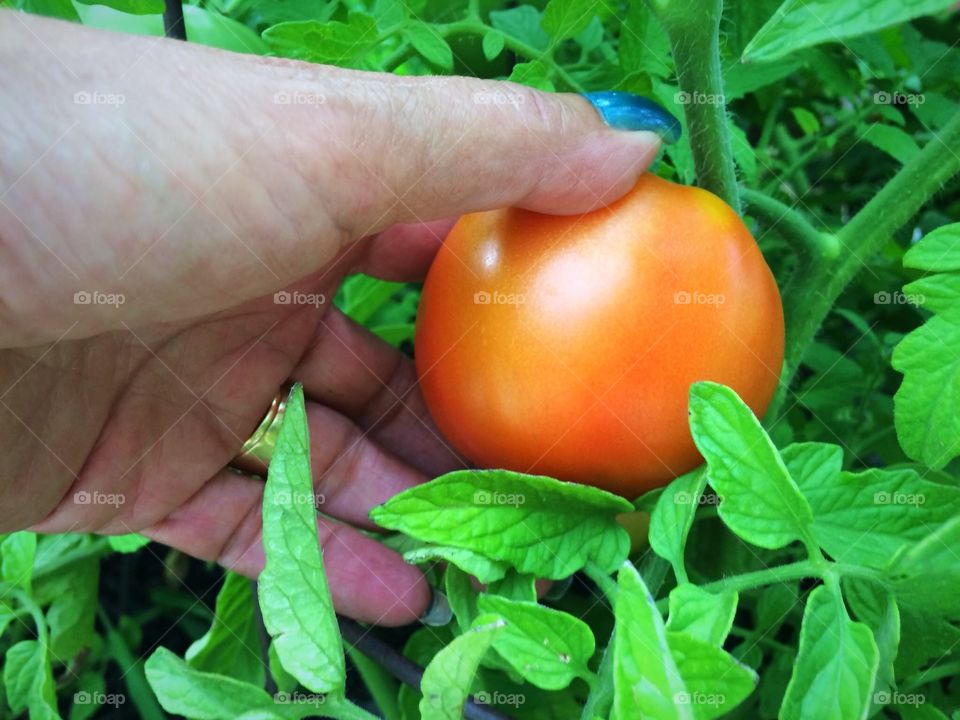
x=626 y=111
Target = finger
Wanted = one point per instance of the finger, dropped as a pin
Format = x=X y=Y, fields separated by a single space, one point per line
x=351 y=472
x=422 y=148
x=351 y=370
x=404 y=252
x=223 y=522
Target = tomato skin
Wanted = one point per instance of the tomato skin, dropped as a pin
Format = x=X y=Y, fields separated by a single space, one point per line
x=580 y=364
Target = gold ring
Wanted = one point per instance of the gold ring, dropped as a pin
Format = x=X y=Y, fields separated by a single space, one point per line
x=255 y=454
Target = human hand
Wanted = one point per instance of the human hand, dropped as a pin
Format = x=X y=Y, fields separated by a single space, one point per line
x=195 y=199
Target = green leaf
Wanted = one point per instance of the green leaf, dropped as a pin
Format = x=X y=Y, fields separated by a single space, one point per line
x=183 y=690
x=127 y=543
x=294 y=596
x=515 y=586
x=447 y=679
x=482 y=568
x=759 y=500
x=28 y=679
x=939 y=293
x=893 y=141
x=461 y=595
x=746 y=78
x=431 y=45
x=715 y=682
x=836 y=664
x=807 y=121
x=522 y=23
x=672 y=518
x=565 y=18
x=493 y=43
x=135 y=7
x=877 y=608
x=866 y=517
x=646 y=680
x=549 y=648
x=926 y=575
x=803 y=23
x=925 y=416
x=325 y=42
x=536 y=524
x=62 y=9
x=17 y=552
x=937 y=251
x=535 y=74
x=702 y=614
x=232 y=644
x=71 y=615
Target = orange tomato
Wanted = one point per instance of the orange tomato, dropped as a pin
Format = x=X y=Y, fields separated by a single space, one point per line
x=566 y=345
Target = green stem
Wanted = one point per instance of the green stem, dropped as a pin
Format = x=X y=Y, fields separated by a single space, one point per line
x=603 y=581
x=381 y=685
x=693 y=27
x=925 y=677
x=476 y=27
x=788 y=146
x=792 y=225
x=889 y=210
x=600 y=699
x=782 y=573
x=133 y=674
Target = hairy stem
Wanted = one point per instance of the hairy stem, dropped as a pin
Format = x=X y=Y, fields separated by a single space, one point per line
x=693 y=27
x=889 y=210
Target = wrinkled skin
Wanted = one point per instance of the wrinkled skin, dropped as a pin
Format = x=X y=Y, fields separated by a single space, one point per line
x=196 y=199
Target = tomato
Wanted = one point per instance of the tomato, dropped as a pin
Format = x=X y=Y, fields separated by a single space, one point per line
x=566 y=345
x=203 y=27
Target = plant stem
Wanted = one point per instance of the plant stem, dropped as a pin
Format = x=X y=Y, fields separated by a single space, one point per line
x=476 y=27
x=600 y=699
x=693 y=27
x=403 y=669
x=381 y=684
x=793 y=225
x=603 y=581
x=781 y=573
x=889 y=210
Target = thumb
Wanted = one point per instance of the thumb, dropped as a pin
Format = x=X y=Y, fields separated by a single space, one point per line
x=418 y=149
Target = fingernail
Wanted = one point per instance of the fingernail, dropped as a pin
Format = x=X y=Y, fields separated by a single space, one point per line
x=626 y=111
x=439 y=612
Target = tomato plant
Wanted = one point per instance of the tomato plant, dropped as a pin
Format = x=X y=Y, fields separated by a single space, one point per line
x=566 y=345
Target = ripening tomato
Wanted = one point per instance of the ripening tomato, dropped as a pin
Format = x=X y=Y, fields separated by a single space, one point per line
x=566 y=345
